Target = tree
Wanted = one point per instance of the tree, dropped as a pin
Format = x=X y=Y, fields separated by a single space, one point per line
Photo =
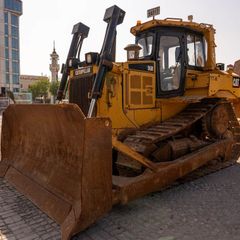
x=54 y=87
x=40 y=89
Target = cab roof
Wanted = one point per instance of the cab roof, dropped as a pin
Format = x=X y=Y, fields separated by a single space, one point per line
x=172 y=22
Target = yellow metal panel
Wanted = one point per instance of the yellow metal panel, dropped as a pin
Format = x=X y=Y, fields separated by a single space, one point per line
x=135 y=82
x=223 y=82
x=139 y=88
x=135 y=98
x=144 y=116
x=140 y=92
x=110 y=104
x=196 y=79
x=170 y=109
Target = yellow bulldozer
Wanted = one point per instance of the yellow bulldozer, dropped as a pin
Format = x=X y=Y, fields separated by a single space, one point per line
x=130 y=128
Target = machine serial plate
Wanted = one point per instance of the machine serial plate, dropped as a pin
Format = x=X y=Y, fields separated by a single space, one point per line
x=83 y=71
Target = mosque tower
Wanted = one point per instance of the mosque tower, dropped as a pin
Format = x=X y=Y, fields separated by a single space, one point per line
x=54 y=66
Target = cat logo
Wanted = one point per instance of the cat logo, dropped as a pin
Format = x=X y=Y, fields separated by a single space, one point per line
x=236 y=81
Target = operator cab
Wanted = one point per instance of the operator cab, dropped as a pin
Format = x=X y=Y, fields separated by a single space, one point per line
x=175 y=48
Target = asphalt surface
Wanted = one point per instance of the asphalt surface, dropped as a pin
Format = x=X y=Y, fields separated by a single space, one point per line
x=207 y=208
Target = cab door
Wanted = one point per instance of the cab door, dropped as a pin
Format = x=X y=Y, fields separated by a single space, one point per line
x=170 y=65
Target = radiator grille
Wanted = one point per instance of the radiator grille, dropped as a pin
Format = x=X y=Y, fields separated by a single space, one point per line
x=78 y=92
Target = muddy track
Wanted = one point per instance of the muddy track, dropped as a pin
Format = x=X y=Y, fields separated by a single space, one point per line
x=144 y=140
x=147 y=141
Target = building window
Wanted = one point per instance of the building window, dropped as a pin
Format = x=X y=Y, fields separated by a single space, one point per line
x=15 y=67
x=13 y=5
x=15 y=43
x=6 y=29
x=14 y=20
x=6 y=65
x=15 y=79
x=7 y=78
x=15 y=90
x=5 y=17
x=15 y=55
x=15 y=32
x=6 y=53
x=6 y=41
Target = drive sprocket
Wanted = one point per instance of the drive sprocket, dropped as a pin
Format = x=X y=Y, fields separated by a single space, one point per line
x=217 y=122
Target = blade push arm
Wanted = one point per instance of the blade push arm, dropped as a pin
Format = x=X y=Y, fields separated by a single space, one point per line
x=80 y=31
x=113 y=16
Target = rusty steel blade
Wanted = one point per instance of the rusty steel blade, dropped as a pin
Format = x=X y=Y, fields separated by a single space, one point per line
x=60 y=160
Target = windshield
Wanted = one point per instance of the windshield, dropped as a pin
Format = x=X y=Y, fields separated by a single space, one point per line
x=146 y=44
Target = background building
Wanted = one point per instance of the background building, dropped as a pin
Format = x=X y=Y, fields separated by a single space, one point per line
x=10 y=11
x=27 y=80
x=236 y=68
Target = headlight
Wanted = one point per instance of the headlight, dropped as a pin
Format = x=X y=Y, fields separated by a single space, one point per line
x=91 y=57
x=88 y=58
x=73 y=62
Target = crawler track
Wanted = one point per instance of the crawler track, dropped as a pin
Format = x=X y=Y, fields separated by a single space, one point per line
x=146 y=141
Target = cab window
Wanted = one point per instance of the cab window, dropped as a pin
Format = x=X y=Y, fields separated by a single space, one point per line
x=146 y=44
x=169 y=63
x=195 y=51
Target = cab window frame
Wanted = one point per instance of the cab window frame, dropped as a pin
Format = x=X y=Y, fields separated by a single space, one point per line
x=204 y=47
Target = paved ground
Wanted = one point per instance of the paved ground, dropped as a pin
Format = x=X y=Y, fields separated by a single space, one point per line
x=207 y=208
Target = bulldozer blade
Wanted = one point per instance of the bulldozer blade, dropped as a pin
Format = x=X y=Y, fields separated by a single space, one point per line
x=60 y=160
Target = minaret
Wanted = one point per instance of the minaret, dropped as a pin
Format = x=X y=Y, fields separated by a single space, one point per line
x=54 y=66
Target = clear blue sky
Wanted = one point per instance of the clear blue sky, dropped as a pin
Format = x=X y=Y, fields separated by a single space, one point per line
x=44 y=21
